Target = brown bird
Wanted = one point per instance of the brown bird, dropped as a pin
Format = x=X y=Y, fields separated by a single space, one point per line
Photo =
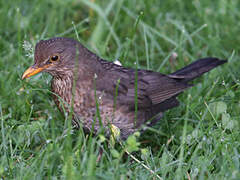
x=108 y=94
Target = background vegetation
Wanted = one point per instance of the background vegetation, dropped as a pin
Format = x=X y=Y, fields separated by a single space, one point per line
x=200 y=139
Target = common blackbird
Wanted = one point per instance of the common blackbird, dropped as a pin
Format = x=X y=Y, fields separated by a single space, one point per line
x=108 y=94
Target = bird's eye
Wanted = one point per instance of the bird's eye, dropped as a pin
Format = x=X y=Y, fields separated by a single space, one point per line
x=54 y=58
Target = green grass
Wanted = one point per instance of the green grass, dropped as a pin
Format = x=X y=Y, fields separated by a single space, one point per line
x=200 y=139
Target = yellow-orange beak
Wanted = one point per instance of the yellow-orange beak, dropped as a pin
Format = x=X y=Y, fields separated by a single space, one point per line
x=32 y=71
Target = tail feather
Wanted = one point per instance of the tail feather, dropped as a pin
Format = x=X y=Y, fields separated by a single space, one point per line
x=197 y=68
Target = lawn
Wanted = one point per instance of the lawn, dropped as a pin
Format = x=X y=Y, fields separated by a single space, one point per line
x=200 y=139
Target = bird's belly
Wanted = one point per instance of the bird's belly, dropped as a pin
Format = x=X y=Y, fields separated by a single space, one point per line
x=104 y=116
x=94 y=109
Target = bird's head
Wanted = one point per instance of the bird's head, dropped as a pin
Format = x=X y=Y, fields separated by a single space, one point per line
x=56 y=56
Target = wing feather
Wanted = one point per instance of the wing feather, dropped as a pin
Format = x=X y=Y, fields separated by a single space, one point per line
x=152 y=88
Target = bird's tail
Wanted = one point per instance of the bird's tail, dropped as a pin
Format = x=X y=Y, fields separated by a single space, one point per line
x=196 y=69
